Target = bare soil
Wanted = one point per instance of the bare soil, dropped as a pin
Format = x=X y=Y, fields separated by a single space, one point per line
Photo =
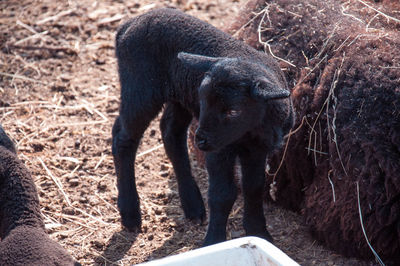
x=59 y=96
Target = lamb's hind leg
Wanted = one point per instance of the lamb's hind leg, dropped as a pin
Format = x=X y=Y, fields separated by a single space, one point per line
x=174 y=125
x=127 y=131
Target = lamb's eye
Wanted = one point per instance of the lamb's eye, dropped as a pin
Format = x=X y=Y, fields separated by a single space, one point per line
x=232 y=113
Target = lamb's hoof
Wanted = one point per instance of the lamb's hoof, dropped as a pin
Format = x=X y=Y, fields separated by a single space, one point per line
x=198 y=221
x=268 y=237
x=196 y=215
x=135 y=229
x=193 y=206
x=208 y=241
x=265 y=235
x=131 y=224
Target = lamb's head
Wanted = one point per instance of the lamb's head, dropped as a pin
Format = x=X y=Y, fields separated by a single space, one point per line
x=233 y=97
x=6 y=142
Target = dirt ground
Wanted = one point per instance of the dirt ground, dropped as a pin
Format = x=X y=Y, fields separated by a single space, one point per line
x=59 y=96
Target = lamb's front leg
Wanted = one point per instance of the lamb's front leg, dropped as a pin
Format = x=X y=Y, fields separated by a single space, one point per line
x=253 y=160
x=222 y=193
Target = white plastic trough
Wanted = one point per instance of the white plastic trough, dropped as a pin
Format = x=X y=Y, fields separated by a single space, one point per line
x=245 y=251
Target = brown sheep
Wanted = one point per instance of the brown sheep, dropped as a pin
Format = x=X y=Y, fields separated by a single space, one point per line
x=343 y=60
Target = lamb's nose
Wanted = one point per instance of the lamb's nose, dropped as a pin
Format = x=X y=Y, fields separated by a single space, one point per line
x=201 y=140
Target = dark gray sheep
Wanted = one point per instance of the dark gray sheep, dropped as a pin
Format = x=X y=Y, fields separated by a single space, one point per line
x=239 y=95
x=23 y=239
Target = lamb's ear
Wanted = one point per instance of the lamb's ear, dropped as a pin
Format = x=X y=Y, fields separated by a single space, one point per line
x=267 y=90
x=199 y=62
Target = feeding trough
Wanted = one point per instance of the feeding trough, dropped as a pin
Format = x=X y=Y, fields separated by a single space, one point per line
x=245 y=251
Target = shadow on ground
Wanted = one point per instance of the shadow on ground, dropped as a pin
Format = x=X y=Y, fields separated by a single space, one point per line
x=117 y=247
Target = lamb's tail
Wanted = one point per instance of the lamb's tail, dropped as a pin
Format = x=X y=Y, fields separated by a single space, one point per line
x=19 y=202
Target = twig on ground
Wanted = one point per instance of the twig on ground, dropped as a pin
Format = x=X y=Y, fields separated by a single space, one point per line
x=55 y=17
x=107 y=203
x=90 y=216
x=114 y=18
x=149 y=150
x=51 y=49
x=36 y=35
x=103 y=156
x=56 y=181
x=27 y=27
x=21 y=77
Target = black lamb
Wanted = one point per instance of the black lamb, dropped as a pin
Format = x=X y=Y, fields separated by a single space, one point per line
x=23 y=239
x=239 y=95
